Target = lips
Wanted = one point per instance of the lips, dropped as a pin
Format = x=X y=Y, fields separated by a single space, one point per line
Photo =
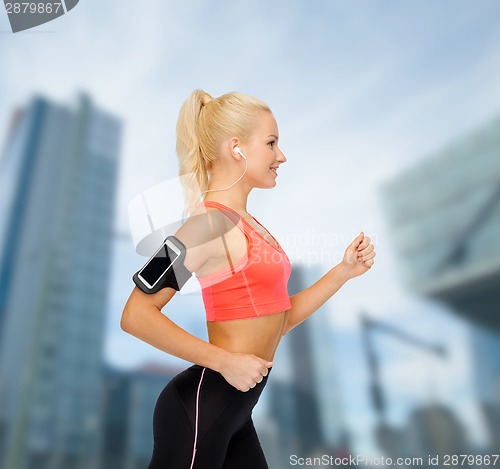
x=273 y=169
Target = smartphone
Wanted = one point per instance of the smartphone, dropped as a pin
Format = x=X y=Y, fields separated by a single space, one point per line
x=159 y=264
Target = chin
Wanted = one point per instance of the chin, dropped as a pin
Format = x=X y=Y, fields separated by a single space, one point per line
x=268 y=185
x=264 y=183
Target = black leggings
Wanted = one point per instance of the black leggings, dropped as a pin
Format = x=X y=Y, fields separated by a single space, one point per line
x=225 y=434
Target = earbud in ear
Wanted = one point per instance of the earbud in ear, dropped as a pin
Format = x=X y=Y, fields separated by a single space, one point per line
x=237 y=150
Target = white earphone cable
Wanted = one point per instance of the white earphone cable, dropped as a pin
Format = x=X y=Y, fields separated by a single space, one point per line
x=228 y=187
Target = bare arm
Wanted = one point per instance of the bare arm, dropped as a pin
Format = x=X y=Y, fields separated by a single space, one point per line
x=309 y=300
x=142 y=317
x=357 y=260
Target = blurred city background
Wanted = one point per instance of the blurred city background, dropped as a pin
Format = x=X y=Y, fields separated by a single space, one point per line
x=389 y=115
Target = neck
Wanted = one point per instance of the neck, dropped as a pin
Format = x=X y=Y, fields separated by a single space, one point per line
x=236 y=194
x=236 y=197
x=236 y=203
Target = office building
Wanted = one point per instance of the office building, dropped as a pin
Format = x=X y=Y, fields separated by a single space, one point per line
x=444 y=219
x=128 y=405
x=60 y=165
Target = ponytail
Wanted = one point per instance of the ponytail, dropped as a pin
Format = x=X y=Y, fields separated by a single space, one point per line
x=192 y=163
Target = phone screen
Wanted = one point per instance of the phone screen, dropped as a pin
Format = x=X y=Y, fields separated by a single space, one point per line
x=157 y=266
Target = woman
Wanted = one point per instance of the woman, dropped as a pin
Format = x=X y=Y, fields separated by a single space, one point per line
x=202 y=418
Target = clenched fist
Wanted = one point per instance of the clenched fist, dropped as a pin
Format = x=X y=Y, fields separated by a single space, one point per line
x=358 y=257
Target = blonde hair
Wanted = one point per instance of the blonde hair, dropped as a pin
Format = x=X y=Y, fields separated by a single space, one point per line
x=204 y=123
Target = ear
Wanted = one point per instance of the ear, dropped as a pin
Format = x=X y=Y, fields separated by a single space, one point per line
x=232 y=143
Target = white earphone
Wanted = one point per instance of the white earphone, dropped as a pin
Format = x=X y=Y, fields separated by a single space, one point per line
x=237 y=150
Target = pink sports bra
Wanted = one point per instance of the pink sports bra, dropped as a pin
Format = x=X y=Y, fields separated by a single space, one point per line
x=256 y=285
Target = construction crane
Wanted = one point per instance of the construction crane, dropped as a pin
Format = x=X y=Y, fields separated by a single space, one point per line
x=368 y=325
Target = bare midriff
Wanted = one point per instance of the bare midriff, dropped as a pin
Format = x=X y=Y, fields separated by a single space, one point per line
x=259 y=336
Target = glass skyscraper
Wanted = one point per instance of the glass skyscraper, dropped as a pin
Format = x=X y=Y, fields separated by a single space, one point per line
x=444 y=217
x=129 y=402
x=58 y=178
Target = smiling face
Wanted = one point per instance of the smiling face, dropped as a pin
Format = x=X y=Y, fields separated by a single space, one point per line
x=262 y=152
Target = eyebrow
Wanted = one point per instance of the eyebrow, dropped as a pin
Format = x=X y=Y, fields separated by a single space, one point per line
x=272 y=135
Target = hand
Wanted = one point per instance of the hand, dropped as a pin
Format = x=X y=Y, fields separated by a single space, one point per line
x=358 y=257
x=245 y=370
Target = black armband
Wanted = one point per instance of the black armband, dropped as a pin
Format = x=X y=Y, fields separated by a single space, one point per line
x=164 y=269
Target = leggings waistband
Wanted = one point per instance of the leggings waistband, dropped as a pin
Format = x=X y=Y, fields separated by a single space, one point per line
x=218 y=376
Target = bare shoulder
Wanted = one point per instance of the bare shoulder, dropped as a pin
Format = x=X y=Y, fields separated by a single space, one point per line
x=201 y=234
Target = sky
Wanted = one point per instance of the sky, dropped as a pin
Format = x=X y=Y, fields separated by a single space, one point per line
x=360 y=93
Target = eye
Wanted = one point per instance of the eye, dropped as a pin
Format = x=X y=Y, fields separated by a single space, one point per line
x=272 y=142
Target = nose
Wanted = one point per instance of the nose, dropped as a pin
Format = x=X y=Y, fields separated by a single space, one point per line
x=281 y=157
